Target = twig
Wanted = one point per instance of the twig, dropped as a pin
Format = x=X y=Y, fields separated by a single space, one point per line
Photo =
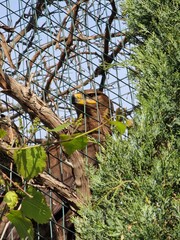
x=15 y=184
x=68 y=49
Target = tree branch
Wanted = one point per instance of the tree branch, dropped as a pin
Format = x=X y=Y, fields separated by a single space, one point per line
x=29 y=101
x=67 y=50
x=61 y=189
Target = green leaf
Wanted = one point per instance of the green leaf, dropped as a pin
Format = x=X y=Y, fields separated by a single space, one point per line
x=3 y=133
x=73 y=142
x=60 y=127
x=36 y=208
x=121 y=127
x=30 y=161
x=129 y=123
x=2 y=182
x=23 y=225
x=11 y=199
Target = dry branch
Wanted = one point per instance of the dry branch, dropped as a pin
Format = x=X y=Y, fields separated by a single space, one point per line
x=61 y=189
x=108 y=30
x=4 y=46
x=31 y=24
x=68 y=46
x=29 y=101
x=100 y=70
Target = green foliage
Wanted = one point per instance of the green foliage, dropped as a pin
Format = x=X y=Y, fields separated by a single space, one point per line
x=23 y=225
x=36 y=207
x=3 y=133
x=147 y=17
x=33 y=206
x=78 y=141
x=60 y=127
x=73 y=142
x=135 y=191
x=121 y=127
x=30 y=161
x=11 y=199
x=34 y=127
x=135 y=195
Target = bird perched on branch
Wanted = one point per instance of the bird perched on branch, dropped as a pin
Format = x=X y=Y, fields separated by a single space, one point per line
x=93 y=109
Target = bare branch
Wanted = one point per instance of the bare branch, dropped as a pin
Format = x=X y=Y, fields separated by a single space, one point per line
x=100 y=70
x=4 y=46
x=108 y=30
x=60 y=189
x=66 y=52
x=29 y=101
x=31 y=24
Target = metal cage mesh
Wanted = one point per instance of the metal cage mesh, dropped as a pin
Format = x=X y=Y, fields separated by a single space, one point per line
x=38 y=43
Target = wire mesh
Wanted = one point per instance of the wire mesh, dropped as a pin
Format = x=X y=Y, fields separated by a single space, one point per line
x=58 y=48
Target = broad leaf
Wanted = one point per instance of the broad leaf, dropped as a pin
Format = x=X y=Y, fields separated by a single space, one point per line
x=121 y=127
x=23 y=225
x=73 y=142
x=11 y=199
x=30 y=161
x=60 y=127
x=3 y=133
x=36 y=208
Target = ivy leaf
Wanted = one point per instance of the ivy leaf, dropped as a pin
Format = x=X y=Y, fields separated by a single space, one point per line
x=11 y=199
x=30 y=161
x=60 y=127
x=23 y=225
x=121 y=127
x=36 y=207
x=3 y=133
x=73 y=142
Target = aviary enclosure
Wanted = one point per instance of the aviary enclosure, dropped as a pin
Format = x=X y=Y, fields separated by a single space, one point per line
x=52 y=52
